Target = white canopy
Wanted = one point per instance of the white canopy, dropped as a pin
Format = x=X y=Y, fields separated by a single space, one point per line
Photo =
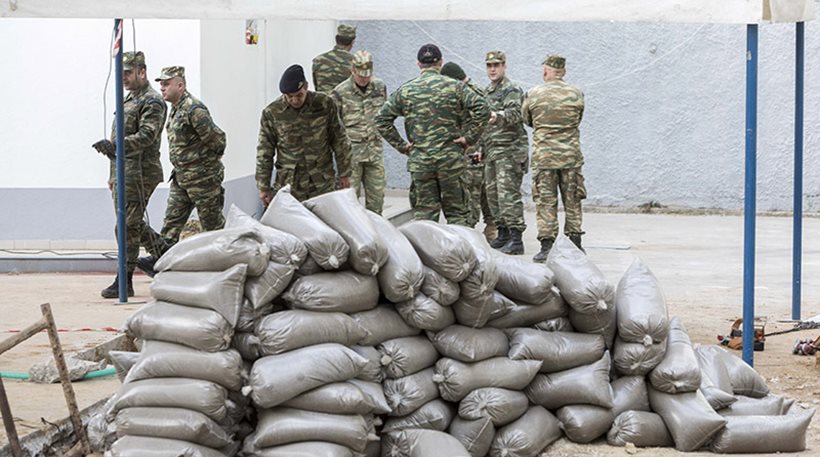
x=685 y=11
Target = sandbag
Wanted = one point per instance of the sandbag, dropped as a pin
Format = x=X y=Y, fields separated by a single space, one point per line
x=433 y=415
x=439 y=288
x=502 y=406
x=679 y=370
x=218 y=291
x=284 y=248
x=249 y=316
x=204 y=396
x=522 y=280
x=325 y=246
x=629 y=393
x=523 y=314
x=602 y=323
x=763 y=434
x=333 y=398
x=406 y=394
x=456 y=379
x=173 y=423
x=421 y=443
x=688 y=416
x=641 y=428
x=744 y=379
x=556 y=324
x=281 y=425
x=247 y=344
x=481 y=282
x=374 y=393
x=195 y=327
x=770 y=405
x=582 y=284
x=636 y=359
x=405 y=356
x=372 y=372
x=586 y=385
x=475 y=435
x=527 y=436
x=143 y=446
x=717 y=398
x=122 y=362
x=467 y=344
x=311 y=267
x=401 y=276
x=713 y=366
x=307 y=449
x=342 y=291
x=584 y=423
x=447 y=253
x=217 y=250
x=382 y=323
x=342 y=211
x=276 y=379
x=424 y=313
x=159 y=359
x=475 y=312
x=558 y=351
x=642 y=316
x=267 y=286
x=293 y=329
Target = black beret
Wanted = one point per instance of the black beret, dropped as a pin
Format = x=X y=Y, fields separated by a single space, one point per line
x=453 y=70
x=292 y=80
x=429 y=53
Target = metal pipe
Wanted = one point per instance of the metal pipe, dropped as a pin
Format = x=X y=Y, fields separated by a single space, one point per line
x=797 y=225
x=122 y=251
x=750 y=196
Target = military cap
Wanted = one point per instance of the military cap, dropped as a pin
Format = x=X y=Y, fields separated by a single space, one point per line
x=347 y=31
x=453 y=70
x=293 y=79
x=495 y=57
x=556 y=62
x=429 y=53
x=132 y=59
x=363 y=63
x=170 y=73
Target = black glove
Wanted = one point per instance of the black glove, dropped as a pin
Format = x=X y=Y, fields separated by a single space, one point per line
x=106 y=148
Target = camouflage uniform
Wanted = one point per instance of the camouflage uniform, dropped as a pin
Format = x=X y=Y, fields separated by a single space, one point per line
x=332 y=67
x=436 y=111
x=308 y=140
x=475 y=178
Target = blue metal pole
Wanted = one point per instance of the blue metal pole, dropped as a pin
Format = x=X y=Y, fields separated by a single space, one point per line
x=750 y=196
x=122 y=253
x=797 y=231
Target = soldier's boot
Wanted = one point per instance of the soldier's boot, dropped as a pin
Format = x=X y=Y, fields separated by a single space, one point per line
x=490 y=232
x=501 y=239
x=576 y=240
x=146 y=264
x=546 y=245
x=113 y=291
x=515 y=246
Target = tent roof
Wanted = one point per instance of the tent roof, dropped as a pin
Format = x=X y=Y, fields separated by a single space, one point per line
x=681 y=11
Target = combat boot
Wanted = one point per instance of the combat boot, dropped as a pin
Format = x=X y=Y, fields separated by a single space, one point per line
x=146 y=264
x=515 y=246
x=546 y=245
x=576 y=240
x=490 y=232
x=113 y=291
x=501 y=239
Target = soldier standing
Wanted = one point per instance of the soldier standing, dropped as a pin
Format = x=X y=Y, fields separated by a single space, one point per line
x=554 y=111
x=441 y=120
x=333 y=67
x=144 y=114
x=359 y=99
x=305 y=129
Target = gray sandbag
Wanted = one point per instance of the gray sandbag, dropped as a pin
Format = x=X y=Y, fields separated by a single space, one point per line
x=401 y=276
x=406 y=394
x=717 y=398
x=247 y=344
x=249 y=316
x=582 y=284
x=527 y=436
x=342 y=291
x=217 y=250
x=502 y=406
x=481 y=282
x=159 y=359
x=602 y=323
x=467 y=344
x=218 y=291
x=405 y=356
x=122 y=362
x=713 y=366
x=770 y=405
x=433 y=415
x=383 y=323
x=763 y=434
x=636 y=359
x=276 y=379
x=325 y=246
x=307 y=449
x=424 y=313
x=267 y=286
x=143 y=446
x=284 y=248
x=374 y=449
x=374 y=393
x=173 y=423
x=523 y=314
x=688 y=416
x=475 y=435
x=195 y=327
x=309 y=267
x=280 y=426
x=421 y=443
x=522 y=280
x=439 y=288
x=372 y=372
x=456 y=379
x=558 y=351
x=744 y=379
x=475 y=312
x=334 y=398
x=679 y=370
x=447 y=253
x=629 y=393
x=293 y=329
x=642 y=316
x=586 y=385
x=195 y=394
x=342 y=211
x=556 y=324
x=584 y=423
x=641 y=428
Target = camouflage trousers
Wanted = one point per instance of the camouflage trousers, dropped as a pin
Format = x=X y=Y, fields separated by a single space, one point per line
x=435 y=191
x=478 y=195
x=502 y=181
x=369 y=176
x=546 y=184
x=205 y=194
x=137 y=232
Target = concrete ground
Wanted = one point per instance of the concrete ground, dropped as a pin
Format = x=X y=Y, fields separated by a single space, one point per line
x=697 y=259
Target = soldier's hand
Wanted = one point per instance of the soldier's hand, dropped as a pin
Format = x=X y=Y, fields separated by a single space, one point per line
x=478 y=157
x=110 y=184
x=344 y=182
x=106 y=148
x=493 y=117
x=266 y=196
x=462 y=141
x=406 y=149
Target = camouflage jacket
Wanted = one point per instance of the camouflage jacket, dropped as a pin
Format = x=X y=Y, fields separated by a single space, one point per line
x=330 y=69
x=144 y=114
x=473 y=149
x=358 y=111
x=195 y=143
x=507 y=134
x=436 y=111
x=307 y=141
x=554 y=111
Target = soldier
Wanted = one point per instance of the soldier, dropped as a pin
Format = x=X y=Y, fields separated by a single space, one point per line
x=554 y=111
x=333 y=67
x=196 y=146
x=504 y=150
x=144 y=115
x=359 y=99
x=305 y=129
x=441 y=120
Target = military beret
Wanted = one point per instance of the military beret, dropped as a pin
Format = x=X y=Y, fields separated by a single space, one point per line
x=132 y=59
x=170 y=73
x=363 y=63
x=554 y=61
x=429 y=53
x=292 y=79
x=453 y=70
x=347 y=31
x=495 y=57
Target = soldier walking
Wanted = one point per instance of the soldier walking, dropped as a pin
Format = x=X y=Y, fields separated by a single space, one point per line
x=333 y=67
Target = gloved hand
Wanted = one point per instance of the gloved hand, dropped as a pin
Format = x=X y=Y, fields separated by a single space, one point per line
x=106 y=148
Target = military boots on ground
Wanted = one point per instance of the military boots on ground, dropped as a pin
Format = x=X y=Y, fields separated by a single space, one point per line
x=546 y=245
x=576 y=240
x=113 y=291
x=146 y=264
x=501 y=239
x=514 y=246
